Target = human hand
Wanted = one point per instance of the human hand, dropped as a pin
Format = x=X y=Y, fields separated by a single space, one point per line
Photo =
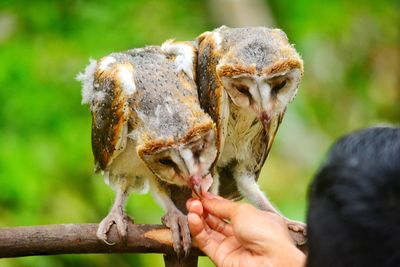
x=234 y=234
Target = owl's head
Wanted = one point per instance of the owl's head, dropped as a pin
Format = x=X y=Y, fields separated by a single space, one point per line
x=258 y=68
x=184 y=162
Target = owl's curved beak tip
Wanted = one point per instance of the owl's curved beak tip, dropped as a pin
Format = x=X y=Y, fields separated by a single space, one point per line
x=195 y=184
x=200 y=184
x=265 y=119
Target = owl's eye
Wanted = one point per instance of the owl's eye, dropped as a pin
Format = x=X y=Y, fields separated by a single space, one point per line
x=278 y=86
x=244 y=90
x=167 y=162
x=198 y=149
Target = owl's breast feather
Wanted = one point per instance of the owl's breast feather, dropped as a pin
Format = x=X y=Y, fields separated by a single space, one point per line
x=242 y=131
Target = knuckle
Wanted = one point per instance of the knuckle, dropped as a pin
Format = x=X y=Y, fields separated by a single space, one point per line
x=220 y=227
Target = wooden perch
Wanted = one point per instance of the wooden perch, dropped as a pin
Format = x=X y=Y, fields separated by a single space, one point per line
x=81 y=238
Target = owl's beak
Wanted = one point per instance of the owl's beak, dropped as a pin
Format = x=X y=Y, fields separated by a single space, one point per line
x=265 y=119
x=200 y=184
x=195 y=184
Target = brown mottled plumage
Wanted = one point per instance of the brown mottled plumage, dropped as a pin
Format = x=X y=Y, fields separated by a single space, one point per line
x=149 y=129
x=246 y=79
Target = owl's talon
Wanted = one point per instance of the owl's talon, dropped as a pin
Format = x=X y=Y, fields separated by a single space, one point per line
x=298 y=231
x=108 y=243
x=296 y=226
x=178 y=223
x=185 y=233
x=120 y=219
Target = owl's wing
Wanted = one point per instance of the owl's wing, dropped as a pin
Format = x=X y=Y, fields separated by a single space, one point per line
x=261 y=146
x=213 y=98
x=269 y=138
x=104 y=89
x=229 y=189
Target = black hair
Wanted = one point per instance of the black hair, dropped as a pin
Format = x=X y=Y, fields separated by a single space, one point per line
x=354 y=202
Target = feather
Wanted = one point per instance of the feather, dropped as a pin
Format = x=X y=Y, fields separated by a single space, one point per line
x=185 y=56
x=86 y=78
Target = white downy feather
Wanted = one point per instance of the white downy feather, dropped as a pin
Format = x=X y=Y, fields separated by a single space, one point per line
x=87 y=78
x=184 y=56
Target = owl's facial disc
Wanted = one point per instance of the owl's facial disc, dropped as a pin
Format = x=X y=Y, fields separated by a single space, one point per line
x=198 y=156
x=166 y=165
x=186 y=165
x=263 y=95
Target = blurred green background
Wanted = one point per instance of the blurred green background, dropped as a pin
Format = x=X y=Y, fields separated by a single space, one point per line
x=351 y=55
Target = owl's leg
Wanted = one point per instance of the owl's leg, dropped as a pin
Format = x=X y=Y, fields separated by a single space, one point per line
x=174 y=219
x=249 y=188
x=116 y=216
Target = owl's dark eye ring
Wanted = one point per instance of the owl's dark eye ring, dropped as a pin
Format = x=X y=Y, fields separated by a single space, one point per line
x=167 y=162
x=244 y=90
x=279 y=86
x=198 y=149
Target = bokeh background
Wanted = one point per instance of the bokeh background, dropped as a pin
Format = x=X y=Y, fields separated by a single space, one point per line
x=351 y=55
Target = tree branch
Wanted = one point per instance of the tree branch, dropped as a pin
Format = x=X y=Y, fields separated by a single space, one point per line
x=81 y=238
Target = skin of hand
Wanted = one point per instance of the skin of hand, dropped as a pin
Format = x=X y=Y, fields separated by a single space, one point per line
x=235 y=234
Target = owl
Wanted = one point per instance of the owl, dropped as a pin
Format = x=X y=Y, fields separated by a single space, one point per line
x=149 y=131
x=246 y=79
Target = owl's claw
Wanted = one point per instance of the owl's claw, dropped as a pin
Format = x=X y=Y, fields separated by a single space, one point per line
x=118 y=217
x=298 y=231
x=179 y=226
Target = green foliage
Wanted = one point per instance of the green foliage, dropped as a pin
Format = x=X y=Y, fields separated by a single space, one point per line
x=350 y=50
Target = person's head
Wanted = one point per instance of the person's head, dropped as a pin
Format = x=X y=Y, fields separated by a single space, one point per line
x=354 y=202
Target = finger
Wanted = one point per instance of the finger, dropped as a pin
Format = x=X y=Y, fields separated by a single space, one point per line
x=222 y=208
x=189 y=202
x=196 y=207
x=204 y=241
x=217 y=236
x=219 y=225
x=206 y=227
